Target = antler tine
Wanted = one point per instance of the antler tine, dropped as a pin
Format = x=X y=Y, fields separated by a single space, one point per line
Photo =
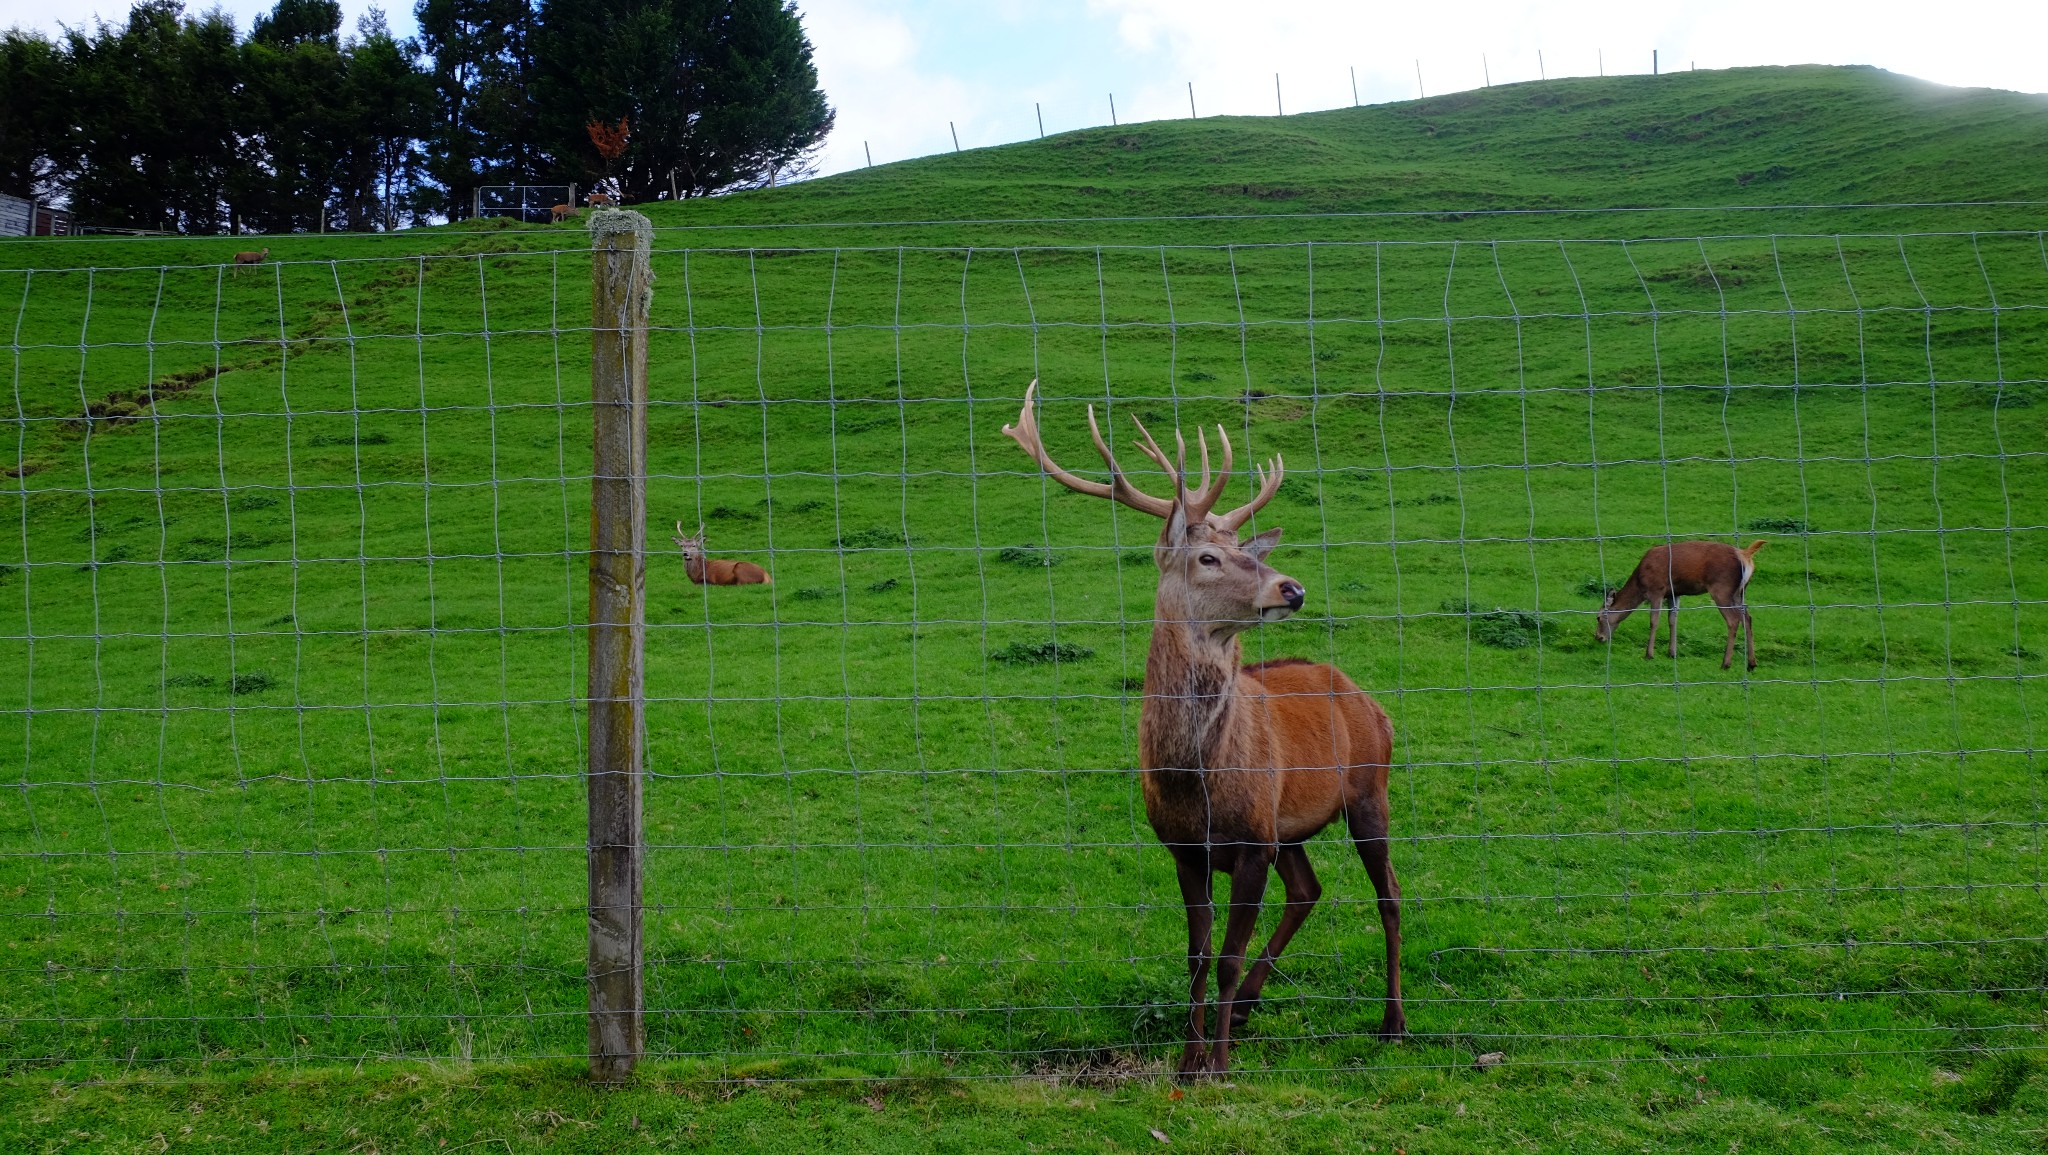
x=1151 y=449
x=1120 y=486
x=1025 y=434
x=1269 y=484
x=1212 y=491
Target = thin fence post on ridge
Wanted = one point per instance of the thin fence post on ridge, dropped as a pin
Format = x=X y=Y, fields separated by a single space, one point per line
x=621 y=284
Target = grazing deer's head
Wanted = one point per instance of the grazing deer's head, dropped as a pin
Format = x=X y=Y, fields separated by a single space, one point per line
x=1603 y=626
x=1207 y=577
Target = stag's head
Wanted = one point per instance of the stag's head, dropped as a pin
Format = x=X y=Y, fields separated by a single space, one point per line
x=1205 y=573
x=691 y=547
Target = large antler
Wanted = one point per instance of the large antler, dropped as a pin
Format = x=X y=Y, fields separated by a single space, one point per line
x=1025 y=433
x=1199 y=503
x=1269 y=484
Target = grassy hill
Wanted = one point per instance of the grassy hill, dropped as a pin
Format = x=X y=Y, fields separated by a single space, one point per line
x=289 y=624
x=1752 y=137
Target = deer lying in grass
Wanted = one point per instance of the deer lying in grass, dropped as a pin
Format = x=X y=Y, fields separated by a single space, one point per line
x=1682 y=569
x=706 y=572
x=1241 y=764
x=560 y=213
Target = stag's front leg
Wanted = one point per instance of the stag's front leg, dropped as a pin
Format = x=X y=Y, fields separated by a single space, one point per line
x=1191 y=865
x=1247 y=893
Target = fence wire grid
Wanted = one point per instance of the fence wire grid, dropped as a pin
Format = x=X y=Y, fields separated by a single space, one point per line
x=292 y=632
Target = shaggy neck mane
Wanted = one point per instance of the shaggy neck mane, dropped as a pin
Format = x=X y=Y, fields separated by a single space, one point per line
x=1190 y=693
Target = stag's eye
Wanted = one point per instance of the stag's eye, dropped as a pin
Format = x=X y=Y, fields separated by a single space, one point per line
x=1209 y=559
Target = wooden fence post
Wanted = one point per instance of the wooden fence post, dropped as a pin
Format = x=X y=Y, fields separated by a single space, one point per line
x=620 y=287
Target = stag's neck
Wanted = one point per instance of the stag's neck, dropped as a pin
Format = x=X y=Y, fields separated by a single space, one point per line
x=695 y=569
x=1189 y=718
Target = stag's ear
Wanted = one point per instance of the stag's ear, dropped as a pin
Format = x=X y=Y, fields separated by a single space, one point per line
x=1263 y=544
x=1177 y=523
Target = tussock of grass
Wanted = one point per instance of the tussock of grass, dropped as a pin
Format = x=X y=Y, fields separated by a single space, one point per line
x=1028 y=556
x=877 y=537
x=1040 y=653
x=1777 y=525
x=253 y=682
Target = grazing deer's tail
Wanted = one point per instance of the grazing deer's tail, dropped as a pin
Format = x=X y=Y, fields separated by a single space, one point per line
x=1753 y=547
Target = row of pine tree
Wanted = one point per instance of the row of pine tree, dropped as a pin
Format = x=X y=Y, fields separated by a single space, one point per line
x=177 y=121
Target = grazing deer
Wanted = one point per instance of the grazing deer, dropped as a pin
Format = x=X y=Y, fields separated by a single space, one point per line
x=1682 y=569
x=1241 y=765
x=601 y=200
x=246 y=258
x=560 y=213
x=706 y=572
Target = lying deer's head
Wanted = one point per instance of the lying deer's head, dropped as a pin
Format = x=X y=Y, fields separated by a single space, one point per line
x=1205 y=573
x=692 y=547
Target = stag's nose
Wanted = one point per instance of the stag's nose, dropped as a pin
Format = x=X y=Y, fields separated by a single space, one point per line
x=1295 y=595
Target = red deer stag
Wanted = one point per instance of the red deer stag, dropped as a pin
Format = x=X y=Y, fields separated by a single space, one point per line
x=1682 y=569
x=1241 y=764
x=706 y=572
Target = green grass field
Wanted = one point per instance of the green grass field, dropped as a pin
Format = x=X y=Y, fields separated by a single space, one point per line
x=294 y=588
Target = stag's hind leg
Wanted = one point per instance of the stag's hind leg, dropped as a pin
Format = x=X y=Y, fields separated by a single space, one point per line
x=1733 y=616
x=1303 y=889
x=1367 y=818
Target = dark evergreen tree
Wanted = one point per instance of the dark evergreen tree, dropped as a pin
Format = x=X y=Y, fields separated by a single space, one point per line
x=390 y=101
x=483 y=129
x=169 y=121
x=294 y=117
x=36 y=145
x=720 y=94
x=152 y=107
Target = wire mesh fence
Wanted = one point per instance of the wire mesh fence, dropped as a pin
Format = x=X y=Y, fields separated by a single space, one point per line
x=536 y=204
x=292 y=625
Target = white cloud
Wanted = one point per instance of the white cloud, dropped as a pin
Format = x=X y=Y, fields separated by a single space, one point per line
x=889 y=101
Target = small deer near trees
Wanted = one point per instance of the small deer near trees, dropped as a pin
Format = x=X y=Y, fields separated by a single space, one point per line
x=1682 y=569
x=1241 y=765
x=251 y=258
x=560 y=213
x=707 y=572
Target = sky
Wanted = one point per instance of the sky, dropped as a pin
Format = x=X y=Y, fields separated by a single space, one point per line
x=906 y=76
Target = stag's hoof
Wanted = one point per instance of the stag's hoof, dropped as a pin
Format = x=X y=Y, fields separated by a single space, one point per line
x=1393 y=1030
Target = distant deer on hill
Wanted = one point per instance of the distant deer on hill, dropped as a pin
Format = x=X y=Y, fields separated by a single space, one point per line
x=252 y=258
x=601 y=200
x=1682 y=569
x=707 y=572
x=560 y=213
x=1241 y=765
